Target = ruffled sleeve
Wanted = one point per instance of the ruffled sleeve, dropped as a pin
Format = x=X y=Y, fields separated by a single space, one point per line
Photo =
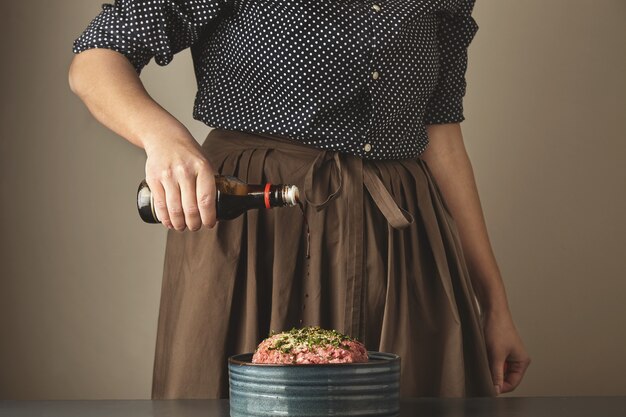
x=143 y=29
x=456 y=31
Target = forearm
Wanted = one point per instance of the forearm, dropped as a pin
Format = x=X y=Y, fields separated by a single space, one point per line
x=112 y=91
x=448 y=160
x=177 y=171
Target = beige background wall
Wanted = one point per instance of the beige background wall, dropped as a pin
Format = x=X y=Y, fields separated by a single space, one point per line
x=80 y=274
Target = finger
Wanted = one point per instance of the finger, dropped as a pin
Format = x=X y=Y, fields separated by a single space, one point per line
x=189 y=203
x=496 y=364
x=206 y=196
x=159 y=203
x=514 y=374
x=174 y=205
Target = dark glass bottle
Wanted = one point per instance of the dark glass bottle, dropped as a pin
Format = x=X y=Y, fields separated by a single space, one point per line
x=234 y=197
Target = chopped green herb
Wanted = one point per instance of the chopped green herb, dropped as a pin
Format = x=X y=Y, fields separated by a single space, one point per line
x=310 y=337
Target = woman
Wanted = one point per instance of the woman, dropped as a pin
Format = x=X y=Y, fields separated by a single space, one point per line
x=358 y=104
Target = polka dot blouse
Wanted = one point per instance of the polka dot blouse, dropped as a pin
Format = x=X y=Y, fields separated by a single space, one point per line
x=361 y=77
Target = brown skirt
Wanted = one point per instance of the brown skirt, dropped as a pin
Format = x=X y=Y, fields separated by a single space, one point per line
x=385 y=266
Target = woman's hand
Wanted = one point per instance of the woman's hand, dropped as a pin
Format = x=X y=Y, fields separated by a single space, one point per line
x=448 y=160
x=181 y=179
x=508 y=358
x=182 y=182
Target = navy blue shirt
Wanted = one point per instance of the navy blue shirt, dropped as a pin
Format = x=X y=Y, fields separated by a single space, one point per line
x=361 y=77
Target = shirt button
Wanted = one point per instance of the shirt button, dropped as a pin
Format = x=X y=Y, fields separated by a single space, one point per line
x=375 y=75
x=376 y=7
x=367 y=147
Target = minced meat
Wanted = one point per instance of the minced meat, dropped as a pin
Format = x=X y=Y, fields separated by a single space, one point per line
x=309 y=345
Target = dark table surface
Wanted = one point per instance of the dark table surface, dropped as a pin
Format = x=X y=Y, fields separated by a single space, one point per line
x=422 y=407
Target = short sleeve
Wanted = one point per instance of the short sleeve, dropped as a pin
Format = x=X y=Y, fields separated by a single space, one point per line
x=143 y=29
x=455 y=33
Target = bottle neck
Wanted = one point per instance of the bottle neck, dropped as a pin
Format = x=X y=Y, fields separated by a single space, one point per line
x=269 y=195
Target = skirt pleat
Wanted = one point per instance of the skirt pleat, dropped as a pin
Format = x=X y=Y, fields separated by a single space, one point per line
x=402 y=289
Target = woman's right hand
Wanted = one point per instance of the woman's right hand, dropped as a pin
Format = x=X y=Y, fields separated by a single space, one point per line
x=182 y=182
x=180 y=177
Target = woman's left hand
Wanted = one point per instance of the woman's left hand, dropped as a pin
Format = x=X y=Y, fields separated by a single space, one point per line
x=449 y=162
x=508 y=359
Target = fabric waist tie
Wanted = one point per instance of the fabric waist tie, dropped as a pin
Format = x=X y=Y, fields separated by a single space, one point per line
x=348 y=176
x=397 y=217
x=350 y=186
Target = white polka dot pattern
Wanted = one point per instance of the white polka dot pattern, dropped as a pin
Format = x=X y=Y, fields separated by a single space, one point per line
x=361 y=77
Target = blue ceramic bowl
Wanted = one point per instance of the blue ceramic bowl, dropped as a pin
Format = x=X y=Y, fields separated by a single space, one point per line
x=348 y=389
